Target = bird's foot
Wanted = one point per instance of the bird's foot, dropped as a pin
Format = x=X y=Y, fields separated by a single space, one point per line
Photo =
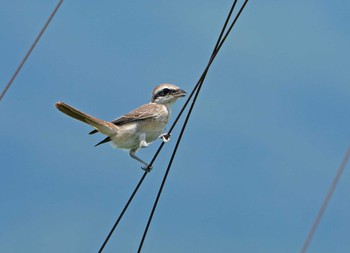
x=147 y=168
x=165 y=137
x=143 y=144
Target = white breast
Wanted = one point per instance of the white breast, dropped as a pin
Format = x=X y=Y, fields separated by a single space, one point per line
x=128 y=136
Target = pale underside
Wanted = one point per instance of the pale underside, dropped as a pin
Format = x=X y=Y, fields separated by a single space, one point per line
x=139 y=133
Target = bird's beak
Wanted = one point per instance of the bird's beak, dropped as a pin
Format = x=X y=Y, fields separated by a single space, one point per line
x=180 y=93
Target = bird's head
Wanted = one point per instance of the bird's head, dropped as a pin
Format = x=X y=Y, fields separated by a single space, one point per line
x=167 y=94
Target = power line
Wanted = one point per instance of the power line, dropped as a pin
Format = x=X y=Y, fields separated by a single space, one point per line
x=30 y=50
x=217 y=47
x=199 y=86
x=122 y=213
x=325 y=202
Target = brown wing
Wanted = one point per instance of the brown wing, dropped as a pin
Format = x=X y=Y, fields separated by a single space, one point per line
x=143 y=112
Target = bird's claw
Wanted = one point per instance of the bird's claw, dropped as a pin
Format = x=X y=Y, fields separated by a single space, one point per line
x=147 y=168
x=165 y=137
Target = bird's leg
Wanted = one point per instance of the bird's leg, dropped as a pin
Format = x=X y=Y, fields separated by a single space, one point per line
x=146 y=168
x=165 y=137
x=143 y=143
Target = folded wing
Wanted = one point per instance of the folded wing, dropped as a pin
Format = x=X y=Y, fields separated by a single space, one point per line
x=143 y=112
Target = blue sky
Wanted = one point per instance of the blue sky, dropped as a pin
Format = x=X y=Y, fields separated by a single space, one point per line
x=266 y=137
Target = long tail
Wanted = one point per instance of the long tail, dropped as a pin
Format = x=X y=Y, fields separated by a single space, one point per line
x=102 y=126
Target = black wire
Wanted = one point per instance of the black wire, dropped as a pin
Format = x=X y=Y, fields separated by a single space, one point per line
x=30 y=50
x=200 y=83
x=122 y=213
x=197 y=88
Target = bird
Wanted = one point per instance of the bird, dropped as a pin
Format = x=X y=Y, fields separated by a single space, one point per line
x=138 y=128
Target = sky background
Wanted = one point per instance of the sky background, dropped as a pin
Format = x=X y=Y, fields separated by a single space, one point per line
x=264 y=142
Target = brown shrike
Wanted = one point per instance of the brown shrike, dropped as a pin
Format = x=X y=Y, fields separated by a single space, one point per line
x=138 y=128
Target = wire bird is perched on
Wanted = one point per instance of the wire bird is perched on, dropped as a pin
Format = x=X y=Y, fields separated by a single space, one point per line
x=138 y=128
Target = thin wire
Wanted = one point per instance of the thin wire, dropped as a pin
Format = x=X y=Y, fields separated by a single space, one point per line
x=325 y=202
x=200 y=83
x=122 y=213
x=217 y=47
x=31 y=49
x=162 y=185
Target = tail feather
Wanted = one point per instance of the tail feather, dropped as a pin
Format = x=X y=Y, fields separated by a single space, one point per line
x=102 y=126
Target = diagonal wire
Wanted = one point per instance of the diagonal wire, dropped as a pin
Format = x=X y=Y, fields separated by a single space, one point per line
x=325 y=202
x=217 y=47
x=197 y=87
x=200 y=83
x=30 y=50
x=122 y=213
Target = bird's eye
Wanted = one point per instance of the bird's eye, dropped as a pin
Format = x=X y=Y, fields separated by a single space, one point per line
x=164 y=92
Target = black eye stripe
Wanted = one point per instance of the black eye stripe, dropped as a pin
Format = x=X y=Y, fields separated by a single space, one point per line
x=164 y=92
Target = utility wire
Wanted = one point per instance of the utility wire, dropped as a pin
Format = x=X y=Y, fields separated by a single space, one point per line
x=122 y=213
x=199 y=84
x=217 y=47
x=325 y=202
x=197 y=87
x=30 y=50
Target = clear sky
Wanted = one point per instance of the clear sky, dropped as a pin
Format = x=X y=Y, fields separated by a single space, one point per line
x=267 y=135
